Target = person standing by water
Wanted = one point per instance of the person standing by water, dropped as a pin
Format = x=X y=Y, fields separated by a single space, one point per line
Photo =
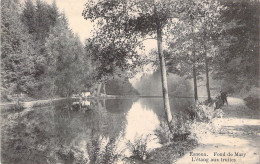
x=223 y=96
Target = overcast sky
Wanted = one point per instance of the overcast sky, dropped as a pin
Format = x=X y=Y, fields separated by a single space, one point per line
x=73 y=10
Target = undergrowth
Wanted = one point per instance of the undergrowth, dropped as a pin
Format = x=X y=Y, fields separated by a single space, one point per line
x=138 y=148
x=103 y=150
x=192 y=124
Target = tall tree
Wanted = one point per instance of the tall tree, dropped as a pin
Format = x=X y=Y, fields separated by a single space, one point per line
x=65 y=59
x=17 y=55
x=193 y=40
x=238 y=61
x=39 y=18
x=210 y=28
x=133 y=20
x=107 y=62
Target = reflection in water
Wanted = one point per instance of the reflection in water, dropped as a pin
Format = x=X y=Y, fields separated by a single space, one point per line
x=60 y=133
x=178 y=105
x=119 y=106
x=140 y=123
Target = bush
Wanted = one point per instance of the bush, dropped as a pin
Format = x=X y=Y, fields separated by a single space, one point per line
x=180 y=130
x=189 y=125
x=17 y=107
x=252 y=102
x=69 y=155
x=138 y=148
x=103 y=150
x=204 y=113
x=163 y=133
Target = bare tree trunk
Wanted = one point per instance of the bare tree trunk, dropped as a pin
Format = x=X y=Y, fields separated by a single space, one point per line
x=163 y=75
x=99 y=88
x=194 y=65
x=104 y=103
x=195 y=82
x=104 y=88
x=207 y=77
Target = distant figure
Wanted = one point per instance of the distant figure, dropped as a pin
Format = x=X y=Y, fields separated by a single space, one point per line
x=223 y=96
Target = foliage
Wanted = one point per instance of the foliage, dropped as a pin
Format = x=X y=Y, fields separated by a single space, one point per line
x=138 y=148
x=102 y=150
x=17 y=68
x=127 y=23
x=192 y=35
x=67 y=154
x=149 y=85
x=252 y=102
x=118 y=86
x=189 y=125
x=163 y=133
x=65 y=59
x=17 y=107
x=237 y=63
x=180 y=130
x=41 y=56
x=38 y=19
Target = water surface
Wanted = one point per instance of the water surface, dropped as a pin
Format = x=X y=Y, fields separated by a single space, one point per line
x=54 y=133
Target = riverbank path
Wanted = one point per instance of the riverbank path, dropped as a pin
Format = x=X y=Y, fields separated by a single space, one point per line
x=237 y=141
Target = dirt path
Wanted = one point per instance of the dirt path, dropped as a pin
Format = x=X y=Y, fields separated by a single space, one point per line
x=237 y=142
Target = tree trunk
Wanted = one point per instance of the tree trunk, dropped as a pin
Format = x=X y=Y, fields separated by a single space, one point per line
x=104 y=88
x=194 y=65
x=195 y=78
x=104 y=103
x=163 y=75
x=207 y=77
x=99 y=88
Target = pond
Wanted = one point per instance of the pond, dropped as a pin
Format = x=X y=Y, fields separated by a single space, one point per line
x=59 y=132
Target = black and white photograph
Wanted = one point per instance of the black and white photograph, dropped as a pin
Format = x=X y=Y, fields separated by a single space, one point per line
x=130 y=82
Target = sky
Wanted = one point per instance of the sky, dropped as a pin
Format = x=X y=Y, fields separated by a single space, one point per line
x=73 y=10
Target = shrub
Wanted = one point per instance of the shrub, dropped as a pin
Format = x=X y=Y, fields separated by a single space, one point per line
x=188 y=124
x=252 y=102
x=204 y=113
x=103 y=150
x=138 y=148
x=17 y=107
x=163 y=133
x=69 y=155
x=41 y=104
x=180 y=130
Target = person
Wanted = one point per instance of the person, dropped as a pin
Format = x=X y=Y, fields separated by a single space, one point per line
x=223 y=96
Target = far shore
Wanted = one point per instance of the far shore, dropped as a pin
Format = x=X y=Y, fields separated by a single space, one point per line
x=26 y=103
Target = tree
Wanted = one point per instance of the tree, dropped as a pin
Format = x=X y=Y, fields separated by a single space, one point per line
x=119 y=86
x=132 y=20
x=194 y=36
x=17 y=55
x=107 y=62
x=237 y=64
x=65 y=59
x=39 y=18
x=183 y=56
x=210 y=26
